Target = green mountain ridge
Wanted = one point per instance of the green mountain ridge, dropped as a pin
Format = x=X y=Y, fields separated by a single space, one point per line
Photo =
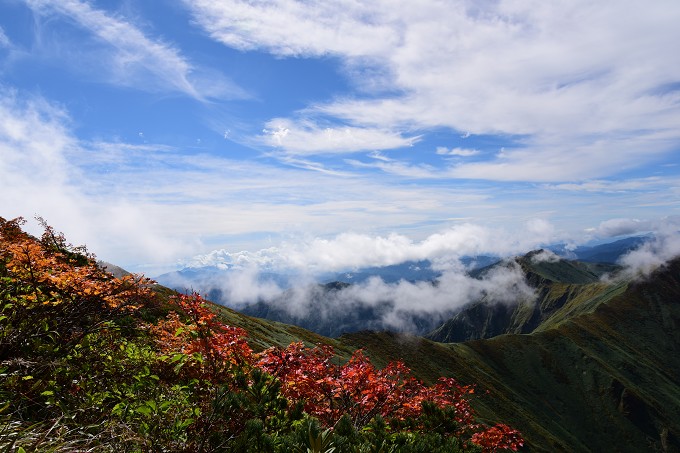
x=560 y=287
x=597 y=370
x=603 y=378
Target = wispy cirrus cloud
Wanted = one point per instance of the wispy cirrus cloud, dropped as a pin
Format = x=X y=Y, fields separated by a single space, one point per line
x=599 y=185
x=147 y=204
x=4 y=40
x=341 y=27
x=396 y=167
x=565 y=83
x=125 y=55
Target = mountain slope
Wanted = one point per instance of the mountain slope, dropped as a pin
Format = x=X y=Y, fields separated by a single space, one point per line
x=559 y=286
x=605 y=379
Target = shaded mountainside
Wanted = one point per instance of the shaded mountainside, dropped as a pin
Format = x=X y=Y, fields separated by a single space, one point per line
x=559 y=286
x=605 y=378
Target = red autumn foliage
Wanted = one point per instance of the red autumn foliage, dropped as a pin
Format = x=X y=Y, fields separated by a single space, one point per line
x=50 y=281
x=58 y=273
x=221 y=346
x=357 y=388
x=499 y=437
x=327 y=389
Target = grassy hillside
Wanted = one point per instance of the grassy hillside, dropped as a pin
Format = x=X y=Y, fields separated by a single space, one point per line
x=598 y=373
x=94 y=362
x=561 y=290
x=89 y=362
x=606 y=378
x=263 y=333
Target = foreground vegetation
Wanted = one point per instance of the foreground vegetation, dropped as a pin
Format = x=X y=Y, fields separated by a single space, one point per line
x=90 y=362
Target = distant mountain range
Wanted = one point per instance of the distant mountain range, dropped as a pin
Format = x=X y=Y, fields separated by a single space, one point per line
x=609 y=252
x=317 y=306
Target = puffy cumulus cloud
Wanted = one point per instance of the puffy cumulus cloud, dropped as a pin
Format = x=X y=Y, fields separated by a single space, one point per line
x=305 y=137
x=626 y=226
x=544 y=256
x=262 y=259
x=567 y=82
x=40 y=175
x=461 y=152
x=127 y=56
x=348 y=251
x=398 y=306
x=652 y=254
x=619 y=227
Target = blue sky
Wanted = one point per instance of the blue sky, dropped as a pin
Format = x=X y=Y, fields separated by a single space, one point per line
x=339 y=133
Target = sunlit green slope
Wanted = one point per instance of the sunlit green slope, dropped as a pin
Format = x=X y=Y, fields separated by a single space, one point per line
x=561 y=289
x=604 y=375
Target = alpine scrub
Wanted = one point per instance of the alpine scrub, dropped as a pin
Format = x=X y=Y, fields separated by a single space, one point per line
x=93 y=362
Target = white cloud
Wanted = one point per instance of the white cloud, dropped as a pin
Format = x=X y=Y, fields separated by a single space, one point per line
x=454 y=289
x=245 y=285
x=264 y=259
x=610 y=186
x=348 y=251
x=620 y=227
x=627 y=226
x=129 y=57
x=574 y=83
x=394 y=167
x=93 y=192
x=463 y=152
x=545 y=256
x=4 y=40
x=38 y=177
x=397 y=303
x=307 y=138
x=653 y=254
x=185 y=205
x=294 y=28
x=33 y=139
